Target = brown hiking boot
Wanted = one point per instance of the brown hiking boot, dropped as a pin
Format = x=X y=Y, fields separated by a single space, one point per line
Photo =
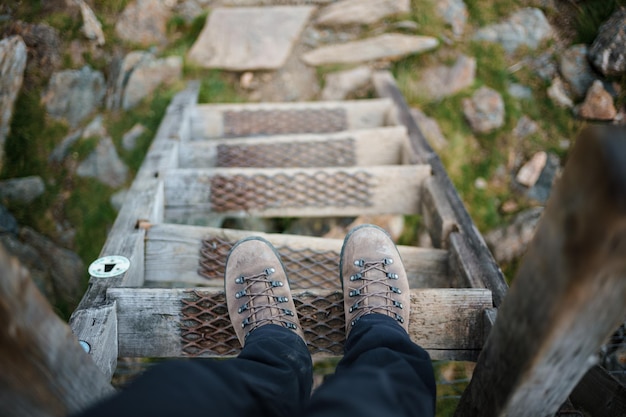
x=373 y=277
x=257 y=290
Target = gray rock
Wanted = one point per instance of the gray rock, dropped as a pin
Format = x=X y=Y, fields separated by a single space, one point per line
x=144 y=22
x=59 y=153
x=520 y=91
x=58 y=272
x=242 y=39
x=485 y=110
x=12 y=65
x=442 y=81
x=8 y=224
x=527 y=27
x=454 y=13
x=43 y=44
x=91 y=26
x=509 y=243
x=576 y=71
x=525 y=127
x=608 y=51
x=430 y=129
x=360 y=12
x=545 y=66
x=74 y=94
x=22 y=190
x=104 y=164
x=339 y=85
x=559 y=95
x=388 y=46
x=190 y=9
x=147 y=75
x=598 y=104
x=137 y=75
x=129 y=140
x=95 y=128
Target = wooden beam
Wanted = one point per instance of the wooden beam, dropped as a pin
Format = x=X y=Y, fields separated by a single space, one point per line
x=599 y=394
x=126 y=238
x=481 y=258
x=568 y=296
x=173 y=255
x=45 y=372
x=448 y=323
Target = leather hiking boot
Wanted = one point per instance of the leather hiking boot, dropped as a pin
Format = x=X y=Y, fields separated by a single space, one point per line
x=257 y=290
x=373 y=277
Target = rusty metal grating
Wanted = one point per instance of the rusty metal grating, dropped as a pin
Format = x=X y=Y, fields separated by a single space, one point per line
x=319 y=189
x=306 y=268
x=279 y=122
x=206 y=329
x=283 y=155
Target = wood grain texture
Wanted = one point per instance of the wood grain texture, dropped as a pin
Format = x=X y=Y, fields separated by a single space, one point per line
x=570 y=291
x=172 y=255
x=448 y=323
x=45 y=372
x=390 y=189
x=481 y=259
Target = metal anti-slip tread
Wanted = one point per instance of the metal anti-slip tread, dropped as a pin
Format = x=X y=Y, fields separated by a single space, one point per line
x=194 y=322
x=196 y=256
x=292 y=192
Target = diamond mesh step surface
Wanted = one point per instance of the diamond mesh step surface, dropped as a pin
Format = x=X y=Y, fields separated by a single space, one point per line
x=306 y=268
x=206 y=330
x=276 y=122
x=319 y=189
x=283 y=155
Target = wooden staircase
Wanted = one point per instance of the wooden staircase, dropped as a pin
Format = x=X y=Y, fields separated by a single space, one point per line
x=315 y=159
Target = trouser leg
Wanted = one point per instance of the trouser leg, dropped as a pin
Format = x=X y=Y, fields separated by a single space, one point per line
x=382 y=373
x=271 y=377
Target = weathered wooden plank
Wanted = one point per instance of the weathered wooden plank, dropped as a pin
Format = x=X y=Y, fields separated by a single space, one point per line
x=437 y=213
x=144 y=204
x=207 y=120
x=382 y=146
x=569 y=294
x=446 y=322
x=482 y=259
x=294 y=192
x=173 y=252
x=45 y=372
x=599 y=394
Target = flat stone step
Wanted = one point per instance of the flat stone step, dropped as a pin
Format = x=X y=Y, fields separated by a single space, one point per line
x=180 y=255
x=263 y=119
x=382 y=146
x=191 y=194
x=194 y=322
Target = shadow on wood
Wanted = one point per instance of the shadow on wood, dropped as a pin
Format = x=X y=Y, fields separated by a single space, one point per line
x=570 y=291
x=44 y=371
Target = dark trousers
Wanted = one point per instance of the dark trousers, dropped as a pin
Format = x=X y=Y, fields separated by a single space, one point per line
x=382 y=373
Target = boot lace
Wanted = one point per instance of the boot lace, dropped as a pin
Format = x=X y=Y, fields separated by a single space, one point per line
x=263 y=300
x=368 y=276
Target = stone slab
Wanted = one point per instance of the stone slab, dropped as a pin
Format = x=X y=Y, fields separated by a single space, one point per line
x=387 y=46
x=361 y=12
x=249 y=38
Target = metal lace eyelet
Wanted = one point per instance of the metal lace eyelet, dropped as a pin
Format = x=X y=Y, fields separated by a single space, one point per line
x=399 y=318
x=240 y=294
x=359 y=262
x=287 y=312
x=243 y=308
x=356 y=276
x=354 y=293
x=398 y=304
x=395 y=290
x=269 y=271
x=277 y=284
x=387 y=261
x=240 y=280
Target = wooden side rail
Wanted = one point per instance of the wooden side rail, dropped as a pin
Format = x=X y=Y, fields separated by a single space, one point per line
x=569 y=294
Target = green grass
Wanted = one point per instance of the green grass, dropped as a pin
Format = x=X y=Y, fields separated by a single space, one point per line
x=483 y=12
x=216 y=87
x=589 y=15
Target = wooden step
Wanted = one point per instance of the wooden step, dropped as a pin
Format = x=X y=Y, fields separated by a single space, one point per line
x=381 y=146
x=252 y=119
x=159 y=322
x=190 y=194
x=177 y=255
